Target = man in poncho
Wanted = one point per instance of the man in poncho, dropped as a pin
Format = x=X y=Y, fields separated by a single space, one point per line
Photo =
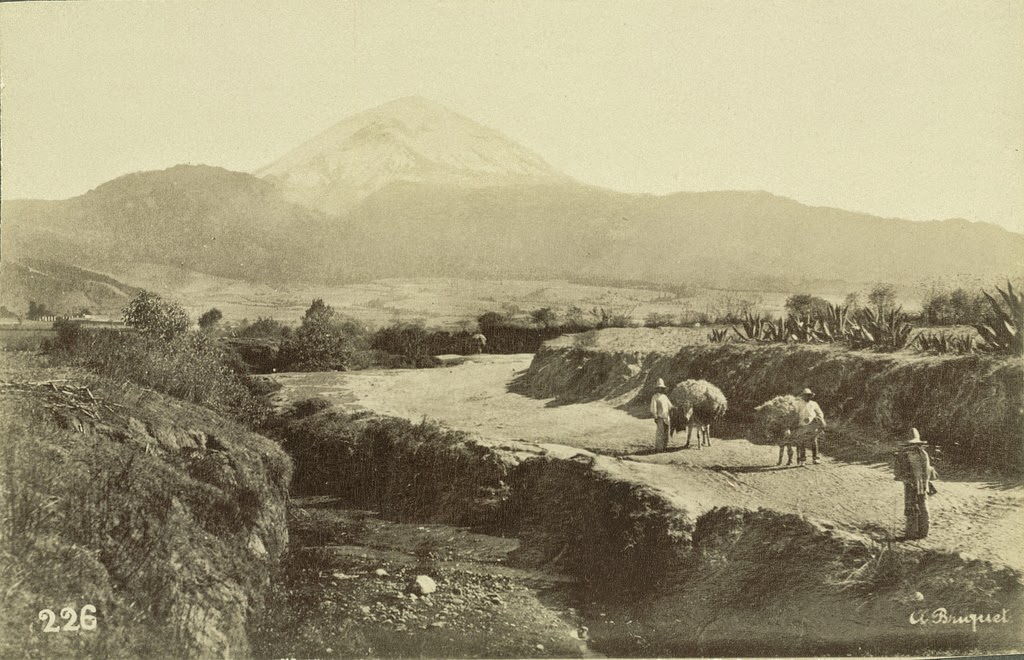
x=660 y=408
x=914 y=469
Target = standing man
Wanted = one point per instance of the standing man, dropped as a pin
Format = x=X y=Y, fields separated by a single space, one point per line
x=660 y=407
x=812 y=421
x=914 y=469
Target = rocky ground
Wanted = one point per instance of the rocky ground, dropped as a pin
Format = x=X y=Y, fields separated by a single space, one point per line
x=359 y=586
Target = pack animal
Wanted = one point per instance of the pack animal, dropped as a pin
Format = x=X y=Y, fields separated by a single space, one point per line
x=780 y=421
x=697 y=404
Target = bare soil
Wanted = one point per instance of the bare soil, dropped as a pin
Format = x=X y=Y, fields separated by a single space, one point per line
x=979 y=517
x=348 y=593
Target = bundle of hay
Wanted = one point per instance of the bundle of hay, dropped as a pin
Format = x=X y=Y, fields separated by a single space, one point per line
x=696 y=404
x=778 y=418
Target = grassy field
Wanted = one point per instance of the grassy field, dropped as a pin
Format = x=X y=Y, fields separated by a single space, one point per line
x=449 y=303
x=25 y=337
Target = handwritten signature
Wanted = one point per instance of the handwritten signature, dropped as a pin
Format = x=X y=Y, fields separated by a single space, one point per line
x=941 y=615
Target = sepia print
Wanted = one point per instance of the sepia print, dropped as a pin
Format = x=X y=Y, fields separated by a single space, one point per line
x=460 y=329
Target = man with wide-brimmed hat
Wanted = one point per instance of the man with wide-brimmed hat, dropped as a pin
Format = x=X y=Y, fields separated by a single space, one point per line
x=812 y=421
x=913 y=467
x=660 y=409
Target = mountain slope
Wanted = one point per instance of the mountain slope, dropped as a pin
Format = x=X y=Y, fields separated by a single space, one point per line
x=409 y=139
x=63 y=289
x=736 y=239
x=199 y=218
x=413 y=189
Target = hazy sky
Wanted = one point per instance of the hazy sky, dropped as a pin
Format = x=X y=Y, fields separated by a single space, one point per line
x=908 y=109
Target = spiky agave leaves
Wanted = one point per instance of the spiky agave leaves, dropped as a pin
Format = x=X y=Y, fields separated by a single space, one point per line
x=942 y=342
x=764 y=330
x=718 y=335
x=1003 y=330
x=883 y=330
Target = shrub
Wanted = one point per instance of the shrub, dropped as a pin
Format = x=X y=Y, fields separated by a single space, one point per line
x=263 y=328
x=210 y=318
x=806 y=306
x=883 y=297
x=190 y=367
x=154 y=316
x=544 y=317
x=321 y=343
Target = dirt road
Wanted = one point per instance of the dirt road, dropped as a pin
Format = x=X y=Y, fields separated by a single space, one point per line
x=978 y=518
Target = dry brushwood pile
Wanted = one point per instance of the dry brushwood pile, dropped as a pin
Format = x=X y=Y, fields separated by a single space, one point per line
x=707 y=401
x=776 y=417
x=72 y=405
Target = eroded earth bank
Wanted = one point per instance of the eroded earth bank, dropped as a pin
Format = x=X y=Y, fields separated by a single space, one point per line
x=549 y=528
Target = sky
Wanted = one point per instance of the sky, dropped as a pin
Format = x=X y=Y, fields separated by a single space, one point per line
x=900 y=109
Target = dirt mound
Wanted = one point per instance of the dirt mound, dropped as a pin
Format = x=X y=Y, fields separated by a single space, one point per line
x=165 y=517
x=967 y=406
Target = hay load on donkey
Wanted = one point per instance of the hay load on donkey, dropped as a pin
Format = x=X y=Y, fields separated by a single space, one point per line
x=780 y=420
x=697 y=403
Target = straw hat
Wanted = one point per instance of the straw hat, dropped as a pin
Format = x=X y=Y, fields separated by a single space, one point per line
x=807 y=392
x=915 y=438
x=660 y=385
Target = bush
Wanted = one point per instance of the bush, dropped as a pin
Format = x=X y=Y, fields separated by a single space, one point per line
x=190 y=367
x=957 y=307
x=154 y=316
x=263 y=328
x=210 y=318
x=321 y=343
x=806 y=306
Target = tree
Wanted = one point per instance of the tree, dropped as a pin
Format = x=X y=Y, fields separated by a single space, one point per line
x=154 y=316
x=318 y=344
x=490 y=320
x=883 y=297
x=806 y=306
x=37 y=311
x=210 y=318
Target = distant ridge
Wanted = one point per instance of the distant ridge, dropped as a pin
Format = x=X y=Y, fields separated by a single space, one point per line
x=63 y=289
x=412 y=189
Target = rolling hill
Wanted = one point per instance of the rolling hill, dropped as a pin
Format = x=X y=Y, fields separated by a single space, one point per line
x=63 y=289
x=196 y=218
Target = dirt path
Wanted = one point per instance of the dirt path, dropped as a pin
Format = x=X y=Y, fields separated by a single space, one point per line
x=979 y=519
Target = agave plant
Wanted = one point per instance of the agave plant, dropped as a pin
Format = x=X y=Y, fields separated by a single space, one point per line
x=752 y=328
x=718 y=335
x=837 y=324
x=941 y=342
x=803 y=331
x=765 y=330
x=1002 y=330
x=883 y=330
